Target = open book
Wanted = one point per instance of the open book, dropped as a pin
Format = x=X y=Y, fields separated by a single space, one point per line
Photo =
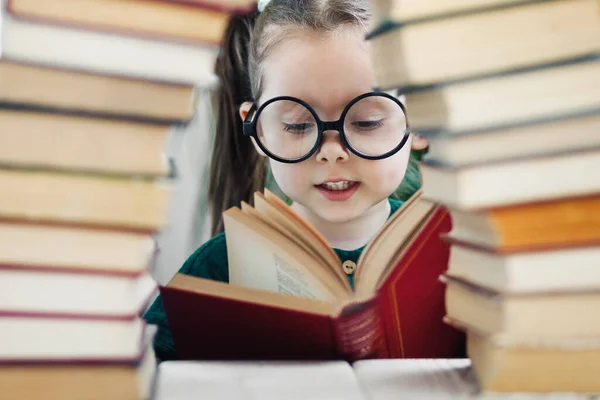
x=289 y=297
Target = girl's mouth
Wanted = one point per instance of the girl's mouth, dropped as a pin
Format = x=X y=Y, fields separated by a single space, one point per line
x=338 y=191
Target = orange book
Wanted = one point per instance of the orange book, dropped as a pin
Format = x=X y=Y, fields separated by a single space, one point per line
x=558 y=223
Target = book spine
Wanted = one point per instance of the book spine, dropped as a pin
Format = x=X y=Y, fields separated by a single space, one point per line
x=217 y=6
x=359 y=332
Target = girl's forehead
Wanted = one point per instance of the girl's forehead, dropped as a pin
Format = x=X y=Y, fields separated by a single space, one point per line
x=327 y=70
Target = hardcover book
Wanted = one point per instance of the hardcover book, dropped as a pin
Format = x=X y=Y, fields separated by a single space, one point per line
x=107 y=97
x=542 y=225
x=166 y=21
x=465 y=41
x=302 y=306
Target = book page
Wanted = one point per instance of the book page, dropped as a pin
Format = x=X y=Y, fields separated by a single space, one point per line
x=267 y=380
x=319 y=242
x=290 y=280
x=415 y=379
x=281 y=214
x=262 y=258
x=275 y=218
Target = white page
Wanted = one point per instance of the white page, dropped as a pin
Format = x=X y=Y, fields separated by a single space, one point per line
x=187 y=380
x=431 y=379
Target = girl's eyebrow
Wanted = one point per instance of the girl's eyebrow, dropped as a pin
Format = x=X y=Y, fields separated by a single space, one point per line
x=292 y=107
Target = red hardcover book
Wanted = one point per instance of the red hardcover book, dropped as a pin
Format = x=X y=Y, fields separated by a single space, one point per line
x=288 y=299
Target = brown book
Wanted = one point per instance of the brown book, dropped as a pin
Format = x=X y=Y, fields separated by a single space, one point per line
x=107 y=53
x=406 y=11
x=559 y=90
x=93 y=94
x=32 y=247
x=231 y=6
x=526 y=271
x=31 y=291
x=130 y=379
x=538 y=225
x=83 y=200
x=302 y=307
x=570 y=365
x=541 y=138
x=53 y=338
x=477 y=44
x=163 y=20
x=512 y=182
x=556 y=314
x=54 y=141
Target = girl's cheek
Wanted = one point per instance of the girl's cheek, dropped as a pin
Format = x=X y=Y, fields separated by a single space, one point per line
x=289 y=175
x=387 y=174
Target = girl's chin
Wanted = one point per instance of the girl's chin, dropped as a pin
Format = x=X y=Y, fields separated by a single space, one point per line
x=346 y=211
x=327 y=211
x=340 y=212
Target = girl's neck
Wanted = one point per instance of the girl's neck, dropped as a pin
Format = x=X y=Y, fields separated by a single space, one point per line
x=348 y=235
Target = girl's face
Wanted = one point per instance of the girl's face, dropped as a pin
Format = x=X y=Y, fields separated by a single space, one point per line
x=327 y=72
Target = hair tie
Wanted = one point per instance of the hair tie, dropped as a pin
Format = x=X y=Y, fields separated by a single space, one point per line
x=262 y=4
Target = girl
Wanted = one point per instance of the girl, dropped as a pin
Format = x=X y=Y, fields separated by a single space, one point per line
x=296 y=91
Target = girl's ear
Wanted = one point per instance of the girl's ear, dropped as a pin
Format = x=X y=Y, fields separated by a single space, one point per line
x=244 y=109
x=419 y=143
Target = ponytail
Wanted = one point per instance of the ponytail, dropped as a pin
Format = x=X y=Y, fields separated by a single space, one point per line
x=236 y=170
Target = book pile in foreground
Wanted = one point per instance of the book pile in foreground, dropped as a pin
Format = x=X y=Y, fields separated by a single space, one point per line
x=508 y=93
x=393 y=379
x=88 y=92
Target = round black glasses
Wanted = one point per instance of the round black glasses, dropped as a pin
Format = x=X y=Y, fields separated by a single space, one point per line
x=287 y=129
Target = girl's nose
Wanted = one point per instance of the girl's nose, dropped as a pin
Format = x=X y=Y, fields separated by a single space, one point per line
x=332 y=148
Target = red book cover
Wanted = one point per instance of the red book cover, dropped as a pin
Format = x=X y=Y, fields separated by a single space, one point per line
x=213 y=320
x=412 y=298
x=210 y=326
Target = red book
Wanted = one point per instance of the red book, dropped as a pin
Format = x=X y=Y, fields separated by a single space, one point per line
x=396 y=309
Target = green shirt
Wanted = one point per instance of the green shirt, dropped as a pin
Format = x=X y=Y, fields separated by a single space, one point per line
x=209 y=261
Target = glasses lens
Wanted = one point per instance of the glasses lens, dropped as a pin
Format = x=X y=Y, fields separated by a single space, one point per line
x=375 y=125
x=287 y=129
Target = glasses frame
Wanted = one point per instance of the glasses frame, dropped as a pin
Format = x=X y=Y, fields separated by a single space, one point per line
x=249 y=127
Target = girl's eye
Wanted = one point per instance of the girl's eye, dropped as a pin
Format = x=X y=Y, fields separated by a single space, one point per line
x=298 y=128
x=368 y=125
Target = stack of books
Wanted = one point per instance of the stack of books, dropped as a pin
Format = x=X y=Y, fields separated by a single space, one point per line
x=89 y=90
x=508 y=94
